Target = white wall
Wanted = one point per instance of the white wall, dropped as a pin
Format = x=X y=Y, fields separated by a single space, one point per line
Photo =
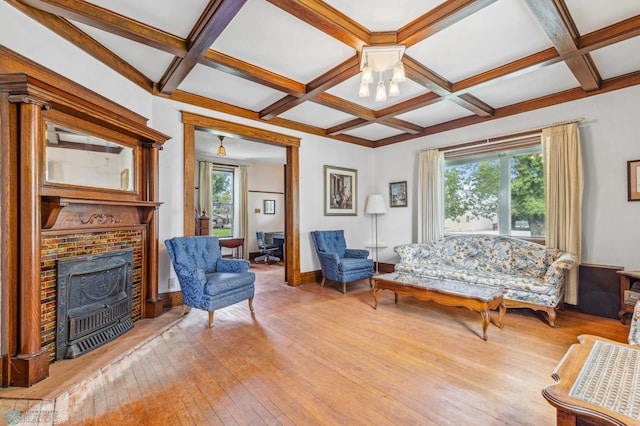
x=265 y=182
x=610 y=137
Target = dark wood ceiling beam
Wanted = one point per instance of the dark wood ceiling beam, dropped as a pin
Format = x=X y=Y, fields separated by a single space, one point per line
x=347 y=125
x=334 y=102
x=409 y=105
x=441 y=17
x=402 y=125
x=418 y=73
x=555 y=20
x=473 y=104
x=103 y=19
x=212 y=22
x=244 y=70
x=72 y=34
x=327 y=19
x=334 y=76
x=612 y=34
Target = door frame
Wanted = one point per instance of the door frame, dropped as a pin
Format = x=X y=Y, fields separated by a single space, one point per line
x=192 y=122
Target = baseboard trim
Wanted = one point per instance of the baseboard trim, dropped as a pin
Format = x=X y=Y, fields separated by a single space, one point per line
x=310 y=277
x=171 y=300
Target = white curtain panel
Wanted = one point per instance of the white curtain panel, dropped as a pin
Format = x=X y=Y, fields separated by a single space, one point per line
x=563 y=190
x=430 y=196
x=243 y=207
x=205 y=189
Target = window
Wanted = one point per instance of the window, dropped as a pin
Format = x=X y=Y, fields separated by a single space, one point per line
x=222 y=186
x=498 y=192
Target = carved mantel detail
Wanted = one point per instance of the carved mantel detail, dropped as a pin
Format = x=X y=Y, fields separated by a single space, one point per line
x=101 y=218
x=60 y=213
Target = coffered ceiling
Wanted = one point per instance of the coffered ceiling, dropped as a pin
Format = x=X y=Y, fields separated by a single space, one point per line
x=296 y=64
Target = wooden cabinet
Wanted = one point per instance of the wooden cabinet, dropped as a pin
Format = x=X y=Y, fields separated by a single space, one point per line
x=627 y=278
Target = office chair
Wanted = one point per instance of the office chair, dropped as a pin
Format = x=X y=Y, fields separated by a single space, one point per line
x=266 y=250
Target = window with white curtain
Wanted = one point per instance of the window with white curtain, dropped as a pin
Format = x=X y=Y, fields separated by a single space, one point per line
x=496 y=188
x=223 y=201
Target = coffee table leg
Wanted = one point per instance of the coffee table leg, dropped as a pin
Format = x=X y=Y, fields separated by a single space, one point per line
x=375 y=297
x=485 y=323
x=503 y=310
x=396 y=295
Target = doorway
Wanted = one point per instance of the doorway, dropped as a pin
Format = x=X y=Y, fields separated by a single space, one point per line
x=193 y=122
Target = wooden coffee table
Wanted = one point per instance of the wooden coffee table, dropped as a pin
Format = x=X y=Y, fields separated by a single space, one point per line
x=444 y=292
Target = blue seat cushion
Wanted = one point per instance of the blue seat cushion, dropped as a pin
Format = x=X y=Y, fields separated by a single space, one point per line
x=222 y=282
x=349 y=265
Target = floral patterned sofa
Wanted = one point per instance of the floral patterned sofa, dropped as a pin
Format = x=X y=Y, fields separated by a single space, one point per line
x=532 y=275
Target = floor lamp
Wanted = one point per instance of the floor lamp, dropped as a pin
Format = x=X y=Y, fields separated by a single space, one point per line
x=375 y=206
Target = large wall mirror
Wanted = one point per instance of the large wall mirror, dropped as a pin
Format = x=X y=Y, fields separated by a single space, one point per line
x=76 y=158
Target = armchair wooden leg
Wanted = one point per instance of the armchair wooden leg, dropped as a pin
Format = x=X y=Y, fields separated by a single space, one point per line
x=211 y=319
x=251 y=304
x=185 y=309
x=322 y=283
x=344 y=287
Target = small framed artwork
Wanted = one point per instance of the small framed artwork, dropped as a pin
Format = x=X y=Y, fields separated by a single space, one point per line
x=269 y=206
x=398 y=194
x=340 y=191
x=633 y=180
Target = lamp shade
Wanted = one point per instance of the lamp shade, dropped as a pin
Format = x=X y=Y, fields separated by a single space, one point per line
x=375 y=204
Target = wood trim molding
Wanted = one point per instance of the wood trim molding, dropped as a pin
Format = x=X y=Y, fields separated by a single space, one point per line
x=193 y=122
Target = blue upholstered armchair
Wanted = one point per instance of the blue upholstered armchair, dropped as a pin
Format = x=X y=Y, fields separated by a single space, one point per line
x=208 y=280
x=339 y=263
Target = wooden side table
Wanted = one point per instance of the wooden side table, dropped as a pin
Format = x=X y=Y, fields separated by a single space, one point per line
x=596 y=409
x=626 y=277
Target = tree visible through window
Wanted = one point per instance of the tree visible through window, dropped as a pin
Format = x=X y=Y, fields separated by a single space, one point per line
x=222 y=202
x=500 y=192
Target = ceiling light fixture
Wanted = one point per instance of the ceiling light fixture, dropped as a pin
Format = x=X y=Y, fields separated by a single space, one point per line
x=221 y=150
x=381 y=59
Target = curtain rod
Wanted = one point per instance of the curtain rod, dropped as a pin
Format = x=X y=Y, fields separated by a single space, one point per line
x=506 y=138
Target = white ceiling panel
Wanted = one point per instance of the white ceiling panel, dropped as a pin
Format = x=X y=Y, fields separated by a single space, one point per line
x=496 y=35
x=615 y=60
x=384 y=15
x=175 y=17
x=316 y=115
x=590 y=15
x=348 y=90
x=374 y=131
x=436 y=113
x=545 y=81
x=282 y=44
x=151 y=62
x=226 y=88
x=238 y=150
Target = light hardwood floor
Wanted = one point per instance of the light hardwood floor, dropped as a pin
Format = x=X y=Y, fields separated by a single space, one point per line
x=312 y=356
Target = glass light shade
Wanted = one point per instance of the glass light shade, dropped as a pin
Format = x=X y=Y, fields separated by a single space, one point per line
x=364 y=90
x=221 y=150
x=381 y=93
x=394 y=90
x=367 y=75
x=398 y=73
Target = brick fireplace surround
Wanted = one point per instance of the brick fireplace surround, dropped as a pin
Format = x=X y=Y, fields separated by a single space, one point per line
x=42 y=221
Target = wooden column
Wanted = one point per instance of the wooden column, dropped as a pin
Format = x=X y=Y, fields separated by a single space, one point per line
x=153 y=306
x=31 y=364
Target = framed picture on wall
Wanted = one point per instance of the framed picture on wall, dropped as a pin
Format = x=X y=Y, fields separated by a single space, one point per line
x=269 y=206
x=633 y=180
x=398 y=194
x=340 y=191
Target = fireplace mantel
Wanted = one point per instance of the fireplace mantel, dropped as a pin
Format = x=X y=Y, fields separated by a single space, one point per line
x=31 y=98
x=79 y=213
